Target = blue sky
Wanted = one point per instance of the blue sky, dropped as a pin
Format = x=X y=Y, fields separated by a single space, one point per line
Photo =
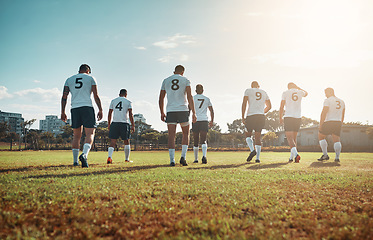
x=224 y=45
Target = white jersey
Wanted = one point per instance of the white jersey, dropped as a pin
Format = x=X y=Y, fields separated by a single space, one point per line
x=293 y=98
x=201 y=104
x=120 y=106
x=257 y=98
x=336 y=107
x=175 y=86
x=80 y=86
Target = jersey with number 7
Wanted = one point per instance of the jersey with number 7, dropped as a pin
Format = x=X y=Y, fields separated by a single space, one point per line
x=201 y=104
x=256 y=98
x=175 y=87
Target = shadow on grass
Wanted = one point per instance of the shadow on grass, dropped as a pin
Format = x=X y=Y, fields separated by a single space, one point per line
x=324 y=164
x=213 y=167
x=32 y=168
x=267 y=166
x=101 y=172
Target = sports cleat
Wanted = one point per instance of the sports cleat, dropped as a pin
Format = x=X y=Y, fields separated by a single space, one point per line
x=290 y=160
x=183 y=162
x=76 y=164
x=84 y=161
x=297 y=158
x=250 y=157
x=128 y=161
x=172 y=164
x=336 y=160
x=204 y=160
x=257 y=161
x=195 y=161
x=323 y=158
x=109 y=160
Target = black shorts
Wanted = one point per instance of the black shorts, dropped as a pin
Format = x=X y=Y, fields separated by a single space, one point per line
x=292 y=124
x=177 y=117
x=119 y=129
x=255 y=122
x=83 y=116
x=200 y=126
x=331 y=127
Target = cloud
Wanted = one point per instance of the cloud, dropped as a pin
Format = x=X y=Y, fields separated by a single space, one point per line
x=174 y=57
x=36 y=81
x=140 y=48
x=175 y=41
x=4 y=93
x=40 y=95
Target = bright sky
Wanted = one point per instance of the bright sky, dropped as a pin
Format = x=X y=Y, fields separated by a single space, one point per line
x=224 y=45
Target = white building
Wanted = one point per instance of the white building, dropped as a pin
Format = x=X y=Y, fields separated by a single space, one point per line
x=14 y=120
x=52 y=124
x=138 y=117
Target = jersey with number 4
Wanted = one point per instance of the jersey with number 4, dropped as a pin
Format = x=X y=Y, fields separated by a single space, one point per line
x=80 y=86
x=336 y=107
x=175 y=87
x=257 y=98
x=120 y=106
x=201 y=104
x=293 y=99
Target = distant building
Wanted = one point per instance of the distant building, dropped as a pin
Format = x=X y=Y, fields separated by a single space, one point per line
x=14 y=120
x=138 y=117
x=353 y=138
x=52 y=124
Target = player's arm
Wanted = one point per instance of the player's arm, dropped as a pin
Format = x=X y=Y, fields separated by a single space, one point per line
x=282 y=111
x=98 y=102
x=109 y=115
x=243 y=108
x=191 y=103
x=268 y=106
x=131 y=120
x=324 y=111
x=162 y=95
x=65 y=93
x=212 y=116
x=343 y=114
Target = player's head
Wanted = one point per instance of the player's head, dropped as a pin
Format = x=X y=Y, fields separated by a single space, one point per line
x=199 y=89
x=84 y=68
x=255 y=84
x=291 y=85
x=123 y=93
x=179 y=69
x=329 y=92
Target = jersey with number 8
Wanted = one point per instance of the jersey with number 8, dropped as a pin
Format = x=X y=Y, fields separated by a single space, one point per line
x=336 y=107
x=80 y=86
x=120 y=106
x=257 y=98
x=175 y=86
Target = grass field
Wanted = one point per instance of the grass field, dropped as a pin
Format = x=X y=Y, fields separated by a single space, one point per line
x=44 y=197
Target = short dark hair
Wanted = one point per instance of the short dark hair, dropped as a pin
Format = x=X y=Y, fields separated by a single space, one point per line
x=179 y=68
x=254 y=84
x=84 y=68
x=199 y=88
x=123 y=92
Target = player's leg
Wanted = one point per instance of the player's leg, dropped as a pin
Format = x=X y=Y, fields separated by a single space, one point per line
x=171 y=142
x=113 y=142
x=89 y=136
x=337 y=146
x=127 y=150
x=258 y=144
x=113 y=135
x=195 y=141
x=89 y=123
x=204 y=146
x=77 y=134
x=290 y=137
x=125 y=134
x=324 y=147
x=184 y=142
x=249 y=140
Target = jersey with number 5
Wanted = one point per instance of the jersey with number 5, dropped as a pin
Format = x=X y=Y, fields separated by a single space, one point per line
x=120 y=106
x=336 y=108
x=201 y=104
x=80 y=86
x=293 y=98
x=175 y=86
x=257 y=98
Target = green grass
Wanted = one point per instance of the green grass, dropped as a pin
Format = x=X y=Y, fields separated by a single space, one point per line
x=44 y=197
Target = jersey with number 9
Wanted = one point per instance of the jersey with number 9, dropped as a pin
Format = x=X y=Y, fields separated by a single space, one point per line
x=257 y=98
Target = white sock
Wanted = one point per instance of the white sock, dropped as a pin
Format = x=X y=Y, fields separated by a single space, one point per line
x=171 y=152
x=204 y=149
x=294 y=151
x=86 y=148
x=324 y=147
x=110 y=151
x=184 y=149
x=127 y=151
x=195 y=150
x=337 y=149
x=291 y=155
x=250 y=143
x=75 y=155
x=258 y=148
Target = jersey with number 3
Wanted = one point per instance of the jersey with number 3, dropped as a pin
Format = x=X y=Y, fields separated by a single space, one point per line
x=293 y=99
x=201 y=104
x=257 y=98
x=175 y=86
x=80 y=86
x=336 y=107
x=120 y=106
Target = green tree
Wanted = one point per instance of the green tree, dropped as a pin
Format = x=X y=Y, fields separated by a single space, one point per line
x=12 y=136
x=4 y=128
x=269 y=137
x=48 y=137
x=273 y=121
x=308 y=122
x=26 y=127
x=236 y=127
